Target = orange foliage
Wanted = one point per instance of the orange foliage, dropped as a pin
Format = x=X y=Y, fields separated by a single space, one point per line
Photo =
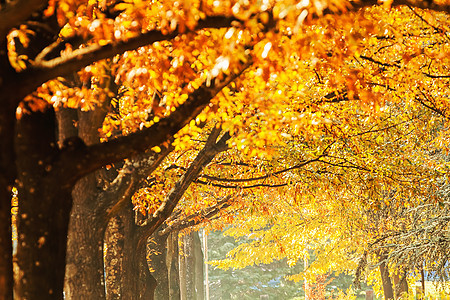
x=338 y=108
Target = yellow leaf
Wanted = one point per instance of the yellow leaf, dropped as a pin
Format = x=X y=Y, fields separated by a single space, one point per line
x=156 y=149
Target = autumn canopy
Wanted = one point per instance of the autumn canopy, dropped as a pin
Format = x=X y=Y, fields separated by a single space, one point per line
x=312 y=125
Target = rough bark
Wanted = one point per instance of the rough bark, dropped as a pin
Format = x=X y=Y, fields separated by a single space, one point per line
x=114 y=240
x=84 y=270
x=43 y=212
x=7 y=177
x=400 y=283
x=191 y=267
x=182 y=267
x=388 y=290
x=173 y=266
x=157 y=255
x=66 y=119
x=189 y=257
x=198 y=267
x=95 y=197
x=84 y=263
x=130 y=256
x=138 y=283
x=134 y=271
x=193 y=256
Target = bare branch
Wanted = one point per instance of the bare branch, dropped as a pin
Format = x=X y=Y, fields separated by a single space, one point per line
x=344 y=164
x=440 y=30
x=197 y=218
x=431 y=105
x=241 y=187
x=436 y=76
x=371 y=59
x=297 y=166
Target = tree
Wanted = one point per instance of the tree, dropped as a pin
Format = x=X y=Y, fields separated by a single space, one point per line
x=47 y=247
x=336 y=188
x=41 y=41
x=250 y=282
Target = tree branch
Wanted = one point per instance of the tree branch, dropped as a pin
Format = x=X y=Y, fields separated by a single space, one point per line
x=129 y=180
x=225 y=186
x=193 y=219
x=423 y=4
x=343 y=164
x=16 y=12
x=42 y=70
x=82 y=160
x=440 y=30
x=435 y=76
x=297 y=166
x=431 y=106
x=204 y=157
x=85 y=56
x=379 y=62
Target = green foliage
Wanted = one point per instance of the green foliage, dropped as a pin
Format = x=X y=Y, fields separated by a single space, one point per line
x=264 y=279
x=252 y=281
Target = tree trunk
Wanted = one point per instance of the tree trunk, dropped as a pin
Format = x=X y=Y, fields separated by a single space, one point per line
x=148 y=284
x=157 y=254
x=84 y=270
x=194 y=266
x=422 y=281
x=6 y=278
x=84 y=264
x=7 y=177
x=173 y=266
x=44 y=210
x=130 y=287
x=6 y=275
x=114 y=240
x=182 y=267
x=190 y=265
x=205 y=259
x=388 y=290
x=401 y=284
x=198 y=267
x=138 y=283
